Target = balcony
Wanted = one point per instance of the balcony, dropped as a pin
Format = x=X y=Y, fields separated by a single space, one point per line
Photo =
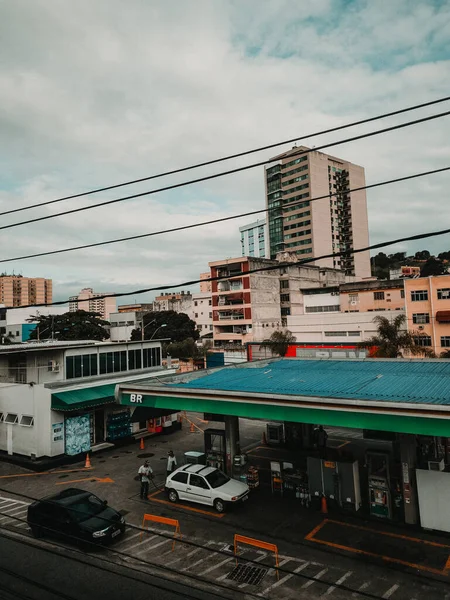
x=231 y=316
x=229 y=286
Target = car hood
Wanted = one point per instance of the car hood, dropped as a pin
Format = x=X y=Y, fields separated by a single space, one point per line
x=102 y=520
x=232 y=488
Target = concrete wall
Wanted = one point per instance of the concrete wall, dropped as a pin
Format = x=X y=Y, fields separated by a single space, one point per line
x=266 y=309
x=122 y=325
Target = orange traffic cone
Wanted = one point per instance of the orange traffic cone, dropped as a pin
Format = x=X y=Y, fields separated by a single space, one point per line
x=142 y=445
x=87 y=464
x=324 y=508
x=192 y=429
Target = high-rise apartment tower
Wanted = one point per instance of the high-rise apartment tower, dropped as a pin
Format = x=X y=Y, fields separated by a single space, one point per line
x=336 y=222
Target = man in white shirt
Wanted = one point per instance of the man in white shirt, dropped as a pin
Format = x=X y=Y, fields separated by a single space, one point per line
x=171 y=463
x=144 y=473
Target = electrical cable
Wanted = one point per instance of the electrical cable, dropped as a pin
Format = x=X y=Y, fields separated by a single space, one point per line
x=225 y=173
x=229 y=157
x=196 y=545
x=34 y=583
x=280 y=265
x=222 y=219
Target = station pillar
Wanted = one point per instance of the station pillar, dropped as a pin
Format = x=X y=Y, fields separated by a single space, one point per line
x=408 y=457
x=232 y=443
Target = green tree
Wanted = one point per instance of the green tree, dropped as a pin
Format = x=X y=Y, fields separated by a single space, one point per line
x=78 y=325
x=393 y=340
x=279 y=342
x=185 y=349
x=177 y=326
x=433 y=266
x=422 y=255
x=445 y=354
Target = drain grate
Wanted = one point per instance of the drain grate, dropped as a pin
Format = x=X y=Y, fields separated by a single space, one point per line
x=247 y=574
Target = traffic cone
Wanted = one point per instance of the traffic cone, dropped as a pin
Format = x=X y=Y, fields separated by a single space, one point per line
x=324 y=508
x=87 y=464
x=192 y=429
x=142 y=445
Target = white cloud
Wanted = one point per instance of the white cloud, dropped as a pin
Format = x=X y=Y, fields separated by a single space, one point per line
x=94 y=94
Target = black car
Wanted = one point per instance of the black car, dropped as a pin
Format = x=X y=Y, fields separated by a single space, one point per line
x=76 y=515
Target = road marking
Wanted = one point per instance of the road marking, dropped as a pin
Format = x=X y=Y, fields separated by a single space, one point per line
x=390 y=591
x=128 y=548
x=224 y=562
x=284 y=579
x=9 y=505
x=128 y=539
x=152 y=498
x=338 y=582
x=13 y=512
x=153 y=547
x=362 y=587
x=210 y=543
x=314 y=579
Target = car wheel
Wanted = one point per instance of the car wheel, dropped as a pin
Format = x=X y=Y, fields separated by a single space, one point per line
x=36 y=531
x=219 y=505
x=173 y=496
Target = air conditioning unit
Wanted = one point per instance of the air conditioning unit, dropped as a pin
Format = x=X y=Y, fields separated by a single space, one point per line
x=353 y=303
x=53 y=366
x=420 y=327
x=436 y=465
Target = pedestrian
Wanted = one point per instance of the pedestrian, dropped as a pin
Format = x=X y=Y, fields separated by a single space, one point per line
x=145 y=472
x=171 y=463
x=322 y=437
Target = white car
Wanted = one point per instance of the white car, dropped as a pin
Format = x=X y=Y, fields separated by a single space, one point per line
x=205 y=485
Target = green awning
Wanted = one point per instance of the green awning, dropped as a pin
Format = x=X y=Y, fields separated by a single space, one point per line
x=83 y=398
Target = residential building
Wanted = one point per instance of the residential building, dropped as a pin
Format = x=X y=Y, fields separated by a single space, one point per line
x=428 y=311
x=334 y=221
x=16 y=290
x=372 y=295
x=15 y=324
x=254 y=239
x=122 y=325
x=58 y=398
x=91 y=301
x=176 y=301
x=201 y=313
x=139 y=308
x=205 y=285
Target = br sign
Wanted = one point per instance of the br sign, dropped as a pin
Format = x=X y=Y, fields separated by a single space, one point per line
x=136 y=398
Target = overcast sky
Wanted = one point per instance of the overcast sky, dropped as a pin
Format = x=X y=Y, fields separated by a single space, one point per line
x=95 y=92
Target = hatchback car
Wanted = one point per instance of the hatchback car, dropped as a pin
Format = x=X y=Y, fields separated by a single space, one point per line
x=76 y=515
x=205 y=485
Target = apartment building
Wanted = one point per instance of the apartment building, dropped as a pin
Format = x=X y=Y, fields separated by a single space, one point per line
x=176 y=301
x=91 y=301
x=335 y=222
x=139 y=308
x=254 y=239
x=372 y=295
x=16 y=291
x=428 y=311
x=198 y=306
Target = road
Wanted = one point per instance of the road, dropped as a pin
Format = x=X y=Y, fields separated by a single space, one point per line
x=35 y=572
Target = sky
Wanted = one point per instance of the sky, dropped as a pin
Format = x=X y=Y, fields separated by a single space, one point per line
x=96 y=93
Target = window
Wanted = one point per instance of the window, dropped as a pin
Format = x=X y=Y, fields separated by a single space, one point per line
x=210 y=315
x=134 y=359
x=354 y=333
x=198 y=481
x=419 y=295
x=209 y=302
x=335 y=333
x=422 y=340
x=152 y=357
x=285 y=298
x=26 y=421
x=217 y=479
x=421 y=318
x=402 y=293
x=326 y=308
x=81 y=366
x=195 y=302
x=180 y=477
x=196 y=315
x=445 y=341
x=11 y=418
x=443 y=294
x=285 y=312
x=284 y=284
x=378 y=295
x=353 y=297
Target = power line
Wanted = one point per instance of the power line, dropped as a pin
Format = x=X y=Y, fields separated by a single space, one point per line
x=281 y=265
x=229 y=157
x=222 y=219
x=224 y=173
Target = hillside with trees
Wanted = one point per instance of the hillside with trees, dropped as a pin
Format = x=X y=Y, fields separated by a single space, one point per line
x=429 y=265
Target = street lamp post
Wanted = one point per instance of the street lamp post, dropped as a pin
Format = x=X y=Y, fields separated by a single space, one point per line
x=157 y=329
x=143 y=327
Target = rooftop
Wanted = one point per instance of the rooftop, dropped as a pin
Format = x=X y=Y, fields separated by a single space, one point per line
x=64 y=345
x=384 y=380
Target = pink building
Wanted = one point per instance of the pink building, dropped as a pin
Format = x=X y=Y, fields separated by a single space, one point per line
x=372 y=295
x=91 y=301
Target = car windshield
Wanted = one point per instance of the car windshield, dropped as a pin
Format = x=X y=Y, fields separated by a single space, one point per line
x=217 y=478
x=85 y=508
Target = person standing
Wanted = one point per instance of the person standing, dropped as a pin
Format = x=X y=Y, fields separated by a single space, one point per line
x=145 y=472
x=171 y=463
x=322 y=437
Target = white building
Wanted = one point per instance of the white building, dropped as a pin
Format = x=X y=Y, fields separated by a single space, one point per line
x=58 y=398
x=122 y=325
x=15 y=325
x=254 y=239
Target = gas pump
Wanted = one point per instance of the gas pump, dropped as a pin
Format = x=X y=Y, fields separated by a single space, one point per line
x=380 y=499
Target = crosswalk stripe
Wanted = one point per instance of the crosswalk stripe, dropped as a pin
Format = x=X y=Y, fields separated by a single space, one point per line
x=362 y=587
x=340 y=581
x=314 y=579
x=153 y=547
x=390 y=591
x=128 y=548
x=285 y=578
x=224 y=562
x=128 y=539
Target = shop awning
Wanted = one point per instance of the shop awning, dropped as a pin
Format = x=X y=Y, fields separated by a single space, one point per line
x=443 y=316
x=144 y=413
x=83 y=398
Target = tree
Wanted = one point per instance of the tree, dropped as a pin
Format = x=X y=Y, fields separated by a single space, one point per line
x=393 y=341
x=433 y=266
x=422 y=255
x=178 y=326
x=445 y=354
x=185 y=349
x=78 y=325
x=279 y=342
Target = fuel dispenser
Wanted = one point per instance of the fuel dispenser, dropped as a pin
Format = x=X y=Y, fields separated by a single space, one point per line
x=380 y=497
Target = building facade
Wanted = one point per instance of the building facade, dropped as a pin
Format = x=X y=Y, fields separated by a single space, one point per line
x=122 y=325
x=91 y=301
x=373 y=295
x=140 y=308
x=333 y=223
x=16 y=291
x=15 y=325
x=254 y=239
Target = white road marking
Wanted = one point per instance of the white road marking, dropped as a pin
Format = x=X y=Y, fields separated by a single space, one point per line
x=338 y=582
x=362 y=587
x=284 y=579
x=149 y=549
x=314 y=579
x=13 y=513
x=13 y=500
x=390 y=591
x=210 y=543
x=128 y=548
x=223 y=562
x=125 y=541
x=8 y=505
